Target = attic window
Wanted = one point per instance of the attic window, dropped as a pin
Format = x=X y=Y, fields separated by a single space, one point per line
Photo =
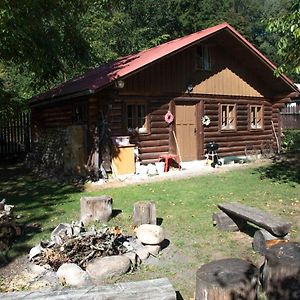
x=256 y=117
x=228 y=117
x=79 y=113
x=203 y=58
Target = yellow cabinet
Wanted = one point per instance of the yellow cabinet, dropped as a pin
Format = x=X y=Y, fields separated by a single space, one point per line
x=123 y=160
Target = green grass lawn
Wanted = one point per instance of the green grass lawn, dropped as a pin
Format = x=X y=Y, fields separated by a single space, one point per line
x=184 y=206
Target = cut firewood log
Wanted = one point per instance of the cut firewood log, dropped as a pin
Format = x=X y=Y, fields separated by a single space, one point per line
x=281 y=272
x=144 y=212
x=227 y=279
x=95 y=209
x=224 y=222
x=263 y=240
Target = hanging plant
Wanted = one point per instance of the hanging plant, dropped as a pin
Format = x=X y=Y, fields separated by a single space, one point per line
x=205 y=120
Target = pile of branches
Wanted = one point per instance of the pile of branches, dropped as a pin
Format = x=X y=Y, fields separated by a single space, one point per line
x=82 y=248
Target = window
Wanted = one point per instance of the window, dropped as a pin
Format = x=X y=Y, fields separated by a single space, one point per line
x=79 y=113
x=136 y=117
x=256 y=117
x=203 y=59
x=228 y=117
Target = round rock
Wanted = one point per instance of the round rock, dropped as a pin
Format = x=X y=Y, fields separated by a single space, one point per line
x=108 y=266
x=73 y=275
x=150 y=234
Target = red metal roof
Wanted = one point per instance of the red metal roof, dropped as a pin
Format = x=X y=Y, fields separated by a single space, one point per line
x=98 y=78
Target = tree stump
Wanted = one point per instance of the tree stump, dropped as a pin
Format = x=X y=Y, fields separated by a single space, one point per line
x=281 y=272
x=224 y=222
x=263 y=240
x=95 y=209
x=144 y=212
x=227 y=279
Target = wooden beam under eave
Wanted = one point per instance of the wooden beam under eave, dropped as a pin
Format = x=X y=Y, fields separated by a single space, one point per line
x=289 y=96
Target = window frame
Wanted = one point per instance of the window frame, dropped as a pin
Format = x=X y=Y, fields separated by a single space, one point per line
x=135 y=118
x=255 y=106
x=84 y=118
x=227 y=128
x=203 y=60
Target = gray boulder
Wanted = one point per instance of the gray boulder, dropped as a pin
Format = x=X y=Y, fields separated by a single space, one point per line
x=71 y=274
x=109 y=266
x=150 y=234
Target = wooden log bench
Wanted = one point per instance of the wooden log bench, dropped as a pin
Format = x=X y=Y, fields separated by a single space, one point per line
x=239 y=213
x=155 y=289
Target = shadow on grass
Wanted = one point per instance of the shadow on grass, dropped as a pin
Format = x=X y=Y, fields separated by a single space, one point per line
x=37 y=200
x=285 y=169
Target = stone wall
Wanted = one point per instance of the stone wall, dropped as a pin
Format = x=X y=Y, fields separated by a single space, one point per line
x=59 y=151
x=47 y=152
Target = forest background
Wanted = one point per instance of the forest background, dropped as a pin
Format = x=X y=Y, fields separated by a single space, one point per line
x=44 y=43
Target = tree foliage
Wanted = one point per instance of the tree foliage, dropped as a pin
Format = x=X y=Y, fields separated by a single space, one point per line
x=287 y=27
x=47 y=42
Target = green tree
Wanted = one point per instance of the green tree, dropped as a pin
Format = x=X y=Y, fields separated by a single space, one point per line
x=287 y=27
x=41 y=44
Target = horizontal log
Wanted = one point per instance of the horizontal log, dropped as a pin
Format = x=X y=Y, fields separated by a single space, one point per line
x=157 y=117
x=160 y=130
x=152 y=155
x=211 y=106
x=57 y=109
x=155 y=143
x=266 y=220
x=262 y=138
x=237 y=133
x=152 y=137
x=228 y=150
x=232 y=153
x=159 y=112
x=155 y=289
x=56 y=124
x=153 y=149
x=159 y=124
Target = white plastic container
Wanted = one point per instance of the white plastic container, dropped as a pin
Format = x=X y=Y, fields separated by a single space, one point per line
x=160 y=167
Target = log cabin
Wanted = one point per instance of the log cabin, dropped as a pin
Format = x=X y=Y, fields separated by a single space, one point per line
x=209 y=86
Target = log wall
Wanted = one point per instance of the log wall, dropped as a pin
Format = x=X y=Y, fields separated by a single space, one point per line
x=235 y=142
x=156 y=141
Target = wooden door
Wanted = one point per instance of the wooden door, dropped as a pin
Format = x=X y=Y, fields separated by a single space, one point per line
x=186 y=130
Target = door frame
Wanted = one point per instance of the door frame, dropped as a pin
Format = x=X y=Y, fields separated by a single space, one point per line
x=199 y=112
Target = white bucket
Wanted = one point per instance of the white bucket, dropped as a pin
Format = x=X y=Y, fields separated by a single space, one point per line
x=160 y=167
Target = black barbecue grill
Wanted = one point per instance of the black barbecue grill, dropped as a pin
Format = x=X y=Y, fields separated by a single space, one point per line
x=211 y=154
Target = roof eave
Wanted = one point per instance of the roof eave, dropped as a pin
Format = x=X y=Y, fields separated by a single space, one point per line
x=54 y=99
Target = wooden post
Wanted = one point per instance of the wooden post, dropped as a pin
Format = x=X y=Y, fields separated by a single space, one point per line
x=95 y=209
x=262 y=240
x=224 y=222
x=227 y=279
x=144 y=212
x=281 y=272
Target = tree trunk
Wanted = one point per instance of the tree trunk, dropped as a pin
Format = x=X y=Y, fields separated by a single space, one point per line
x=95 y=209
x=227 y=279
x=281 y=272
x=263 y=240
x=144 y=213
